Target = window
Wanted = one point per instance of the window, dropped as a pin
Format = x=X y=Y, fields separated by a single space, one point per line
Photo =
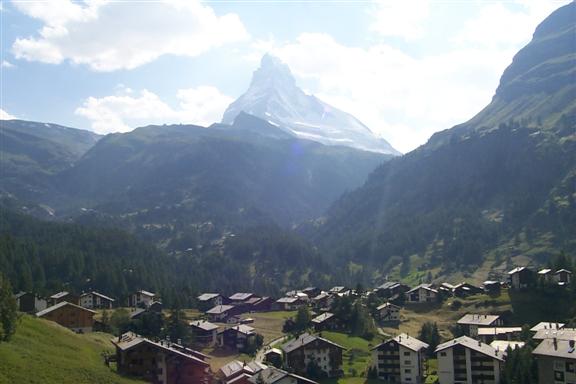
x=406 y=353
x=407 y=371
x=569 y=367
x=558 y=376
x=407 y=362
x=443 y=354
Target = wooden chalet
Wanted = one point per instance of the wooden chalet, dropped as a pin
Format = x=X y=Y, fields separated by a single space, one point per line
x=72 y=316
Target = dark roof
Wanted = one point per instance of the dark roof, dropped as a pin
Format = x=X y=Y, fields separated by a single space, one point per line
x=219 y=309
x=272 y=375
x=304 y=340
x=60 y=305
x=423 y=286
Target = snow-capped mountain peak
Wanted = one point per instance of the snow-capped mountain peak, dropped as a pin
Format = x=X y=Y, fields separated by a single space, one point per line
x=274 y=96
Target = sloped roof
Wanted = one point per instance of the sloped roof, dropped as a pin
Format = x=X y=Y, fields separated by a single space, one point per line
x=516 y=270
x=97 y=294
x=272 y=375
x=243 y=328
x=502 y=345
x=406 y=341
x=288 y=300
x=60 y=295
x=387 y=305
x=204 y=325
x=207 y=296
x=547 y=325
x=235 y=366
x=477 y=319
x=487 y=331
x=241 y=296
x=475 y=345
x=304 y=340
x=423 y=286
x=561 y=334
x=219 y=309
x=322 y=318
x=556 y=348
x=60 y=305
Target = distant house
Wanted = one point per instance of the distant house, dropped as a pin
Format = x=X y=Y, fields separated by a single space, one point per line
x=209 y=300
x=546 y=275
x=563 y=276
x=204 y=332
x=72 y=316
x=30 y=302
x=560 y=334
x=272 y=375
x=238 y=337
x=391 y=289
x=95 y=300
x=556 y=359
x=240 y=298
x=160 y=362
x=465 y=289
x=322 y=300
x=423 y=293
x=547 y=326
x=221 y=312
x=339 y=290
x=503 y=345
x=274 y=356
x=388 y=312
x=261 y=304
x=471 y=322
x=236 y=372
x=289 y=303
x=400 y=360
x=141 y=299
x=300 y=352
x=63 y=296
x=311 y=291
x=326 y=322
x=492 y=287
x=521 y=277
x=489 y=334
x=465 y=360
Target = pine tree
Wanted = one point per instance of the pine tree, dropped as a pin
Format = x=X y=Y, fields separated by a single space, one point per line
x=8 y=310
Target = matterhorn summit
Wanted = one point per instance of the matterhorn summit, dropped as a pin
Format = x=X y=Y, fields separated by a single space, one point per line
x=274 y=96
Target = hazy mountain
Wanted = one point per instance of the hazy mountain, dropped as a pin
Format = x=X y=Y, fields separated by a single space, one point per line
x=274 y=96
x=31 y=152
x=171 y=180
x=503 y=184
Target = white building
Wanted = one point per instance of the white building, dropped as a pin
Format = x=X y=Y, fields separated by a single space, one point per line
x=141 y=299
x=95 y=300
x=556 y=361
x=472 y=321
x=468 y=361
x=424 y=293
x=400 y=360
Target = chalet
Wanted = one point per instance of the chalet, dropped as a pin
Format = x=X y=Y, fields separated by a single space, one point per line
x=95 y=300
x=322 y=300
x=556 y=360
x=326 y=322
x=391 y=289
x=560 y=334
x=340 y=291
x=300 y=352
x=546 y=275
x=273 y=356
x=446 y=289
x=30 y=302
x=240 y=298
x=141 y=299
x=238 y=337
x=238 y=372
x=63 y=296
x=221 y=312
x=160 y=362
x=72 y=316
x=424 y=293
x=260 y=304
x=311 y=291
x=400 y=360
x=563 y=276
x=204 y=332
x=465 y=360
x=547 y=325
x=388 y=312
x=209 y=300
x=492 y=287
x=289 y=303
x=465 y=289
x=489 y=334
x=471 y=322
x=521 y=277
x=272 y=375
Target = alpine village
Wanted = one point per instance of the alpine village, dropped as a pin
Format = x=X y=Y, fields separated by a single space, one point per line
x=250 y=252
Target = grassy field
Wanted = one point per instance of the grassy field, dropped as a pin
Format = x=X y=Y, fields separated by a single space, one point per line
x=43 y=352
x=356 y=358
x=269 y=324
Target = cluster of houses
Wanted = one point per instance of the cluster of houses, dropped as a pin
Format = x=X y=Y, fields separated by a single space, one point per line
x=76 y=312
x=524 y=277
x=479 y=355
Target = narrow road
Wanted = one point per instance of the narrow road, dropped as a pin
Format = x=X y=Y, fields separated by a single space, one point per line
x=260 y=354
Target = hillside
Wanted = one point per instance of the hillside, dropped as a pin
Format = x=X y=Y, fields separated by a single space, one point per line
x=31 y=152
x=498 y=186
x=43 y=352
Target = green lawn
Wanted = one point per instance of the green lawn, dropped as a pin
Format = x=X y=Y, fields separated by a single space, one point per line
x=356 y=359
x=43 y=352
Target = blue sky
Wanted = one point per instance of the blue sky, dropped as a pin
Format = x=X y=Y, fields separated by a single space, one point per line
x=406 y=68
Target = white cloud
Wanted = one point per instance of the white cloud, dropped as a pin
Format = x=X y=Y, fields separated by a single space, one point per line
x=499 y=24
x=7 y=64
x=124 y=111
x=401 y=18
x=5 y=115
x=108 y=36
